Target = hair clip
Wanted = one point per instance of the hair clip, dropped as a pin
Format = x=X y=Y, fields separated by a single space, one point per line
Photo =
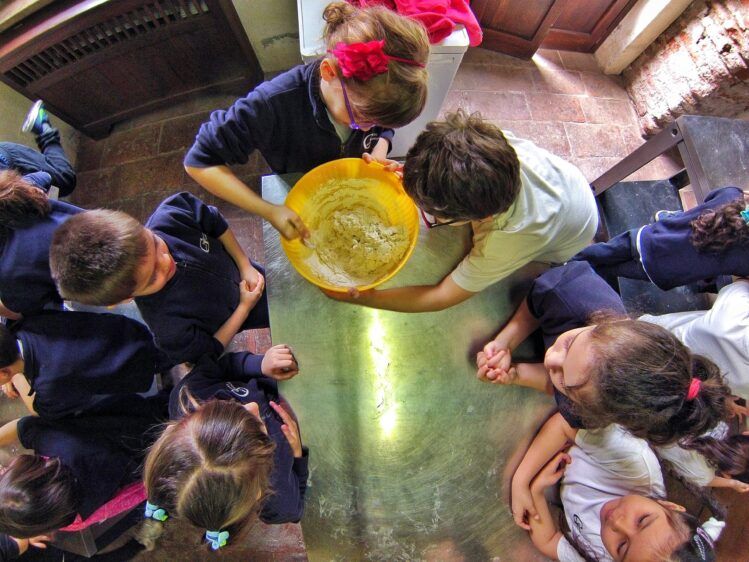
x=745 y=215
x=363 y=61
x=153 y=511
x=694 y=389
x=217 y=539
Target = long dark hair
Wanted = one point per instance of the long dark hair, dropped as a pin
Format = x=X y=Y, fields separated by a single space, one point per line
x=641 y=376
x=37 y=495
x=729 y=456
x=20 y=202
x=718 y=229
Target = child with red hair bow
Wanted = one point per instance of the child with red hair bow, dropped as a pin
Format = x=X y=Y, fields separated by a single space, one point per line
x=346 y=104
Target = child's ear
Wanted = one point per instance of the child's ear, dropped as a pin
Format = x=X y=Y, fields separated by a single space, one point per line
x=327 y=70
x=672 y=506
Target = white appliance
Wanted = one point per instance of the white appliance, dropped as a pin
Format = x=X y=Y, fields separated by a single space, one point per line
x=444 y=59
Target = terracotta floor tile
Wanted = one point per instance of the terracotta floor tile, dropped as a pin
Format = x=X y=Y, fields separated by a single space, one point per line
x=493 y=78
x=579 y=61
x=179 y=133
x=546 y=79
x=477 y=55
x=602 y=110
x=131 y=145
x=546 y=134
x=595 y=140
x=555 y=107
x=601 y=86
x=151 y=174
x=498 y=105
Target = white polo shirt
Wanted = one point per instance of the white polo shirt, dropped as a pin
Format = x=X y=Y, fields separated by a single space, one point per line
x=552 y=219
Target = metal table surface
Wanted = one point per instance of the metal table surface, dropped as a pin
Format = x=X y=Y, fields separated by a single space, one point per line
x=410 y=455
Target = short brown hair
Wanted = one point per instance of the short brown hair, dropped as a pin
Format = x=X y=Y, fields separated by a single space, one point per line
x=94 y=257
x=396 y=97
x=462 y=168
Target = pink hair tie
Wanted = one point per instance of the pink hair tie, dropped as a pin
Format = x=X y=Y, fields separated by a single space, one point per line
x=365 y=60
x=694 y=389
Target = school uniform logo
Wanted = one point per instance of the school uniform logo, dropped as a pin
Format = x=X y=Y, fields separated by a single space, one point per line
x=578 y=523
x=238 y=391
x=370 y=140
x=205 y=245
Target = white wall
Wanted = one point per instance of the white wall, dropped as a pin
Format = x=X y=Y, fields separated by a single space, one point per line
x=272 y=28
x=13 y=109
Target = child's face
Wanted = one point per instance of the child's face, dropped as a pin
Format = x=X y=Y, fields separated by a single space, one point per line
x=335 y=96
x=637 y=529
x=569 y=360
x=156 y=268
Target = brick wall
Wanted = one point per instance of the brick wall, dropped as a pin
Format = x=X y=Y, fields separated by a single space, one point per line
x=699 y=65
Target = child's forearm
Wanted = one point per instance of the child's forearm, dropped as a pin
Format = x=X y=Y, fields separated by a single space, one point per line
x=533 y=375
x=521 y=325
x=8 y=313
x=9 y=433
x=421 y=298
x=554 y=436
x=232 y=325
x=232 y=247
x=222 y=182
x=544 y=532
x=380 y=151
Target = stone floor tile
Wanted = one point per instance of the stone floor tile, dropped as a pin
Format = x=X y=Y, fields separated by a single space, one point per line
x=579 y=61
x=601 y=86
x=455 y=99
x=547 y=79
x=555 y=107
x=131 y=145
x=549 y=58
x=179 y=133
x=94 y=187
x=151 y=174
x=595 y=140
x=613 y=111
x=594 y=166
x=491 y=78
x=477 y=55
x=498 y=105
x=89 y=154
x=546 y=134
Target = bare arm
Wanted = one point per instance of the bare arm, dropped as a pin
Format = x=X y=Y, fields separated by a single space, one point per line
x=520 y=326
x=9 y=433
x=8 y=313
x=23 y=388
x=237 y=254
x=421 y=298
x=248 y=297
x=533 y=375
x=223 y=183
x=737 y=485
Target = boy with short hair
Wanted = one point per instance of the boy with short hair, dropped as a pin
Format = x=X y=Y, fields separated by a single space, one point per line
x=192 y=282
x=524 y=204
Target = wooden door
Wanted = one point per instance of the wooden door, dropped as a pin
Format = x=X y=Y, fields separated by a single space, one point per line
x=520 y=27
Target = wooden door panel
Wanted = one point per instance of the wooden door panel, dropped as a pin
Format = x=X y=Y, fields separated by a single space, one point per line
x=585 y=25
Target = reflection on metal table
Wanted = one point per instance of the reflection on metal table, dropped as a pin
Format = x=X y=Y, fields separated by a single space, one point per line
x=410 y=455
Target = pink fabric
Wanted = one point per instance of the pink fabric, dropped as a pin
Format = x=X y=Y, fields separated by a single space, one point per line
x=439 y=16
x=125 y=500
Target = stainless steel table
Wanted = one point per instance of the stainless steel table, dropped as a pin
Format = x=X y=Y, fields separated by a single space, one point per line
x=410 y=455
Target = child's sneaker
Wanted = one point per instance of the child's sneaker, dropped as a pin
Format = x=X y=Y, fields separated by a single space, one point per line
x=664 y=214
x=36 y=118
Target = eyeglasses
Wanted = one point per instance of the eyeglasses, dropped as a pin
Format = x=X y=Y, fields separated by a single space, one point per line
x=353 y=124
x=432 y=222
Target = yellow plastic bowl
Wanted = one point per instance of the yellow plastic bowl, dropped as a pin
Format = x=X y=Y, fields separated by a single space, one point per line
x=385 y=190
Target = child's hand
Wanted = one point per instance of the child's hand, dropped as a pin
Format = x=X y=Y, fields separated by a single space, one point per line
x=738 y=486
x=37 y=542
x=552 y=472
x=290 y=430
x=390 y=165
x=279 y=363
x=287 y=222
x=494 y=364
x=10 y=391
x=737 y=410
x=248 y=297
x=523 y=507
x=252 y=276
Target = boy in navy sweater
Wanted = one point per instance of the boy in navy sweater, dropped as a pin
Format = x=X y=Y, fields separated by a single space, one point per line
x=192 y=282
x=73 y=360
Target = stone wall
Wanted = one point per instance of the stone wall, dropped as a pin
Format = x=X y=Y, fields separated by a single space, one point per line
x=699 y=65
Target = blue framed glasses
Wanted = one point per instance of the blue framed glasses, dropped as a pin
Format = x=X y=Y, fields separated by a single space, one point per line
x=363 y=126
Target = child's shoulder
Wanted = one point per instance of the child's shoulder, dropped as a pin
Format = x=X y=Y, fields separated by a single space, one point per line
x=176 y=207
x=290 y=80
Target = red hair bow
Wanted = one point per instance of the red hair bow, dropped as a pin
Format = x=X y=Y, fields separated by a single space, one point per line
x=365 y=60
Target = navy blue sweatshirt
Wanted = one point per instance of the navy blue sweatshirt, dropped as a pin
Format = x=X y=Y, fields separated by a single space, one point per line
x=286 y=120
x=670 y=259
x=204 y=291
x=562 y=299
x=8 y=548
x=73 y=359
x=26 y=283
x=103 y=449
x=237 y=376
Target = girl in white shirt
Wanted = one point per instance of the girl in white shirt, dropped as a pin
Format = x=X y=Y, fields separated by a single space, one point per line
x=609 y=482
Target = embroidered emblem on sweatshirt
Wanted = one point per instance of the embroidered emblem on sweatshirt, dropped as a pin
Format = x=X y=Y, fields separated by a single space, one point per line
x=240 y=391
x=370 y=140
x=204 y=244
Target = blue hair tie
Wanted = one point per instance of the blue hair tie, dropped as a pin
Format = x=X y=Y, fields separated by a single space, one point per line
x=745 y=215
x=217 y=538
x=155 y=512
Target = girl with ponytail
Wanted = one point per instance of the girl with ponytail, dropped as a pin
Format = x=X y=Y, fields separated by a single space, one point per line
x=679 y=248
x=372 y=79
